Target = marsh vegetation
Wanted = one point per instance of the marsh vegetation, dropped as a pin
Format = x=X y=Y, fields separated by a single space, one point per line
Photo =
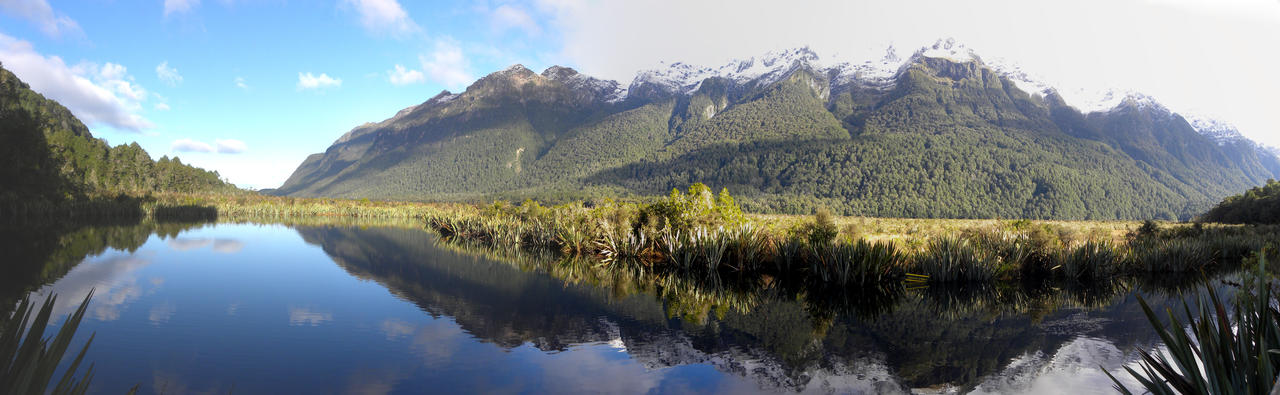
x=699 y=233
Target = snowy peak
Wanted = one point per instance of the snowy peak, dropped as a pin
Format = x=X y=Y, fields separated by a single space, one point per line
x=560 y=73
x=947 y=49
x=609 y=90
x=1221 y=132
x=875 y=73
x=1110 y=100
x=684 y=78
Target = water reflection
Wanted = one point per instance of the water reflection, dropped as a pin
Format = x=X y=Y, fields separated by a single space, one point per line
x=189 y=308
x=781 y=336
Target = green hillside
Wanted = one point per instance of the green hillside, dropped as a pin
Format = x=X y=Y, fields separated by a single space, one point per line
x=946 y=139
x=1260 y=205
x=50 y=158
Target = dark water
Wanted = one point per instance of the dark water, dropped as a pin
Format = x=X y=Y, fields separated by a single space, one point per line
x=276 y=309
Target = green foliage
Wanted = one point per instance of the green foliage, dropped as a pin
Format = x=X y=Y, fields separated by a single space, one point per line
x=1090 y=261
x=948 y=141
x=698 y=208
x=822 y=231
x=861 y=263
x=51 y=160
x=951 y=259
x=1260 y=205
x=1224 y=351
x=27 y=364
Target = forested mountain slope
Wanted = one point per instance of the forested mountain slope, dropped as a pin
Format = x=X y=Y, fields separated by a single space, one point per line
x=47 y=156
x=941 y=135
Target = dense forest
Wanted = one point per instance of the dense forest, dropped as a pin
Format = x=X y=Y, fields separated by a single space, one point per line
x=1259 y=205
x=946 y=139
x=50 y=159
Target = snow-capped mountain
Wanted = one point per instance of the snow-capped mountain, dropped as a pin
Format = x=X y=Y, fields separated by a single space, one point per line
x=685 y=78
x=595 y=132
x=1221 y=132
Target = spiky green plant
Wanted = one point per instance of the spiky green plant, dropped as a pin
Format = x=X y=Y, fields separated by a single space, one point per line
x=1176 y=255
x=951 y=259
x=1091 y=260
x=27 y=363
x=859 y=263
x=1220 y=352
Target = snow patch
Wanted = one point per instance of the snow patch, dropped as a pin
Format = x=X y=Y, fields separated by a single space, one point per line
x=1221 y=132
x=685 y=78
x=950 y=50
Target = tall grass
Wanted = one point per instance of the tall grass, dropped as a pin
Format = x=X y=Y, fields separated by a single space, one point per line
x=28 y=363
x=952 y=259
x=698 y=231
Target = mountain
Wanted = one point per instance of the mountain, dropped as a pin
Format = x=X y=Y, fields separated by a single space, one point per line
x=938 y=133
x=50 y=158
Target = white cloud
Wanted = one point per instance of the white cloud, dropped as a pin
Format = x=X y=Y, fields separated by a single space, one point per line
x=189 y=145
x=98 y=95
x=403 y=76
x=311 y=81
x=162 y=107
x=168 y=75
x=384 y=17
x=179 y=6
x=220 y=146
x=241 y=84
x=507 y=17
x=447 y=65
x=1214 y=57
x=230 y=146
x=39 y=12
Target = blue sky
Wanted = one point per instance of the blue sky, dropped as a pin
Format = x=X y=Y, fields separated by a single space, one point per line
x=234 y=70
x=249 y=88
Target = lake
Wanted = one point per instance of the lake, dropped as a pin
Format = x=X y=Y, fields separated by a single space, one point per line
x=268 y=308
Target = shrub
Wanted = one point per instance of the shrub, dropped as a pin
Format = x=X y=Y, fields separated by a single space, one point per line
x=951 y=259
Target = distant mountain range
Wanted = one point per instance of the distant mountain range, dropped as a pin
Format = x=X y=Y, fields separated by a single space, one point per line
x=939 y=133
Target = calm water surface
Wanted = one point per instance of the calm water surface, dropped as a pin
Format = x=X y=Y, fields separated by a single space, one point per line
x=247 y=308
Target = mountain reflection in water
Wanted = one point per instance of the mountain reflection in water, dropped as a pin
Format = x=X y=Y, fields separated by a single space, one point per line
x=251 y=308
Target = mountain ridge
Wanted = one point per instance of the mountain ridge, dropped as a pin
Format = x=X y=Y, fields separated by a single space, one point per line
x=561 y=134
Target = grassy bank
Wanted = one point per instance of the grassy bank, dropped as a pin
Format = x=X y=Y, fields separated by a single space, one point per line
x=701 y=233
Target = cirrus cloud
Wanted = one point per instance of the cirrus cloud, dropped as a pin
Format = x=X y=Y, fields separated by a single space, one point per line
x=179 y=6
x=39 y=12
x=383 y=17
x=189 y=145
x=507 y=17
x=168 y=75
x=220 y=146
x=230 y=146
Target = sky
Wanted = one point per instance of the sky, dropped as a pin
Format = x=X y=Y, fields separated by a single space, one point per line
x=251 y=87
